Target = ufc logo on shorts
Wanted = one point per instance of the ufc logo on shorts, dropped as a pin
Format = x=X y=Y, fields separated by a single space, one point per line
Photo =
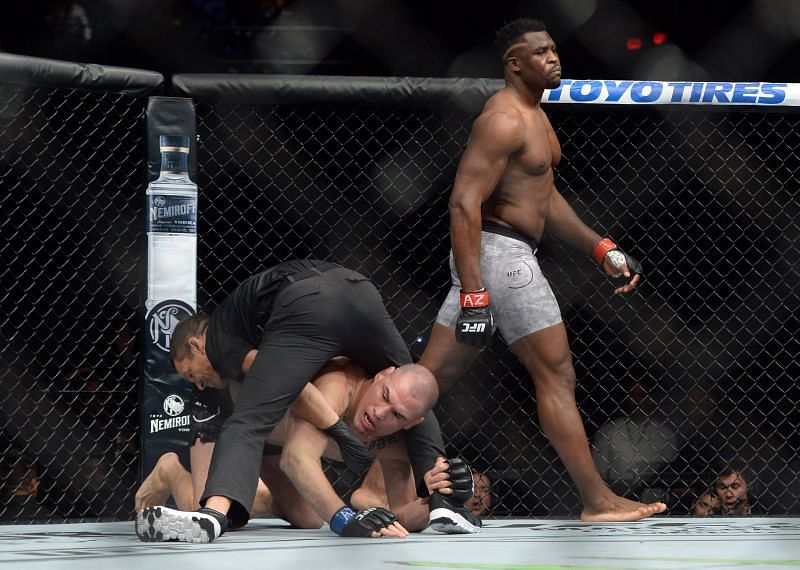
x=473 y=327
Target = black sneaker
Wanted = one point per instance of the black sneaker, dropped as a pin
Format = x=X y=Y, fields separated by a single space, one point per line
x=451 y=517
x=162 y=524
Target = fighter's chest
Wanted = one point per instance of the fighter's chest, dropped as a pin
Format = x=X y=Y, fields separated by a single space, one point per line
x=541 y=150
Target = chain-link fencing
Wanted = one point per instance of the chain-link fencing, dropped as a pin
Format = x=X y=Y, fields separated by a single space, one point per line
x=692 y=374
x=71 y=179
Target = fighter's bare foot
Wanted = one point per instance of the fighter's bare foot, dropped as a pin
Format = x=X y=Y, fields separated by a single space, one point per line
x=154 y=490
x=620 y=509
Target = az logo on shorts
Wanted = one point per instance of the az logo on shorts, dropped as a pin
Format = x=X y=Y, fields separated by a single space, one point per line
x=473 y=327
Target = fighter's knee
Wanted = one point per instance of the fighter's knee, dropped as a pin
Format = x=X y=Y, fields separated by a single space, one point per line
x=363 y=499
x=558 y=381
x=359 y=500
x=168 y=458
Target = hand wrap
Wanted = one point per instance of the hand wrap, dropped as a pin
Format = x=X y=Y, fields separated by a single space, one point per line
x=475 y=323
x=461 y=478
x=354 y=452
x=347 y=523
x=617 y=257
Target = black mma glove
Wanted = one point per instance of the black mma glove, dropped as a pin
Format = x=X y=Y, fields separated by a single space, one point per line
x=461 y=478
x=354 y=452
x=346 y=522
x=475 y=323
x=617 y=257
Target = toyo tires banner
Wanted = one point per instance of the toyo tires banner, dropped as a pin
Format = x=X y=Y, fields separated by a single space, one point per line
x=631 y=92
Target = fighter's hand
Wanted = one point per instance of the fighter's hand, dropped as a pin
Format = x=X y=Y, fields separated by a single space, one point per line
x=394 y=530
x=355 y=454
x=451 y=477
x=475 y=323
x=616 y=263
x=438 y=479
x=370 y=523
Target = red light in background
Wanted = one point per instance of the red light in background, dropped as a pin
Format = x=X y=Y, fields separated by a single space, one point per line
x=659 y=38
x=633 y=44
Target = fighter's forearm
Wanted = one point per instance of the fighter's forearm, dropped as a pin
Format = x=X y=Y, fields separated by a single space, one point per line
x=314 y=407
x=305 y=472
x=564 y=223
x=465 y=235
x=414 y=516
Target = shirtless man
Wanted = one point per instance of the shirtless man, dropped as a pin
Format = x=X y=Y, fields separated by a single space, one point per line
x=503 y=199
x=377 y=409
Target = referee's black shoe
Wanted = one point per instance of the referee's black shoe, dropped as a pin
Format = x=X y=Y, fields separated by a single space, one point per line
x=448 y=516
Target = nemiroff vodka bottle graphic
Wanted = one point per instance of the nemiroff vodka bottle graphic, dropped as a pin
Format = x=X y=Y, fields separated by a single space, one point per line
x=172 y=226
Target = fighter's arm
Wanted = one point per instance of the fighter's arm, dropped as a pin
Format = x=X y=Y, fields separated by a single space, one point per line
x=300 y=461
x=494 y=138
x=412 y=512
x=564 y=223
x=315 y=408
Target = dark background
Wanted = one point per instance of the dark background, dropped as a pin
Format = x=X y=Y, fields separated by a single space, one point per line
x=731 y=40
x=707 y=199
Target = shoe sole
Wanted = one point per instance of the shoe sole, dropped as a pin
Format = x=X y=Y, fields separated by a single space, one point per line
x=162 y=524
x=449 y=522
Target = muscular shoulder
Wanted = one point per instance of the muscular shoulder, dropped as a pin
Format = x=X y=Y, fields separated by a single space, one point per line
x=499 y=125
x=336 y=380
x=341 y=367
x=331 y=380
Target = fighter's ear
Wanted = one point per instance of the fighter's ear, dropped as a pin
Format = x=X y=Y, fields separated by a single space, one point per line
x=197 y=344
x=384 y=373
x=513 y=63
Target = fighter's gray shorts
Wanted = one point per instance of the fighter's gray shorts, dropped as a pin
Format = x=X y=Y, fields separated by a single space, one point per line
x=519 y=295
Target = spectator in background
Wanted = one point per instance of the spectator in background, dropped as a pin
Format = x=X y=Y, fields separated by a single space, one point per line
x=95 y=497
x=68 y=29
x=105 y=489
x=631 y=450
x=706 y=506
x=105 y=413
x=481 y=500
x=730 y=495
x=18 y=494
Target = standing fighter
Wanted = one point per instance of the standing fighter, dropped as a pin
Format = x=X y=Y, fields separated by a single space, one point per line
x=503 y=198
x=275 y=332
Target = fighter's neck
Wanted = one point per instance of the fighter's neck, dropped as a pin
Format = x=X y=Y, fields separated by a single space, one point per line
x=356 y=386
x=528 y=97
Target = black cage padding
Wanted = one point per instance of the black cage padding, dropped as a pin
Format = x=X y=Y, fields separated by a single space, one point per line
x=399 y=92
x=40 y=72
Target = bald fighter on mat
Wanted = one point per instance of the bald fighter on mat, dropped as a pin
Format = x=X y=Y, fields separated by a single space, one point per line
x=294 y=486
x=503 y=199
